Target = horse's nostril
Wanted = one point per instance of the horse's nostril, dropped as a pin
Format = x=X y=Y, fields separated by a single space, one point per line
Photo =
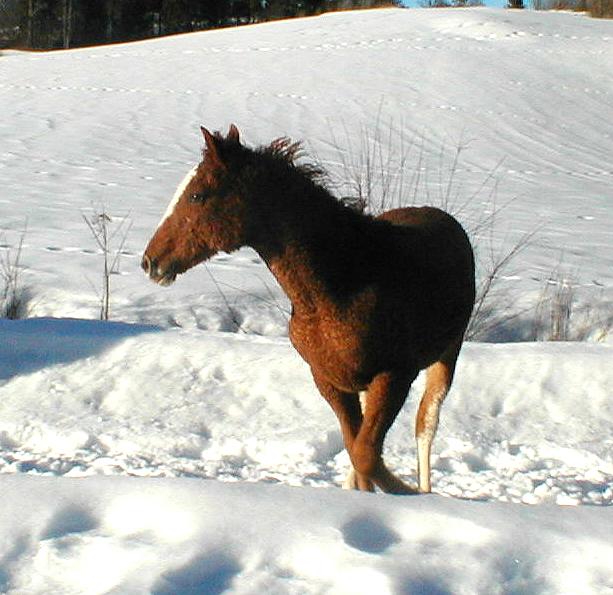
x=146 y=264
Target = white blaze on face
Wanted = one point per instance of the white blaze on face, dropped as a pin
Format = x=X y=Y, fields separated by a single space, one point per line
x=178 y=193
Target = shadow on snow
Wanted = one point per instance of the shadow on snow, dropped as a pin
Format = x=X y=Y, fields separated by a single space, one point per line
x=36 y=343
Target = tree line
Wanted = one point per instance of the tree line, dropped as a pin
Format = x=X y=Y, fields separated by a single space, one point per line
x=70 y=23
x=46 y=24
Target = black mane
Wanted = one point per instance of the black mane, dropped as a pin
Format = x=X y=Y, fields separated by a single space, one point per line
x=285 y=150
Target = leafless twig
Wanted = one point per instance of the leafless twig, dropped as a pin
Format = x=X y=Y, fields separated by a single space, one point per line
x=105 y=231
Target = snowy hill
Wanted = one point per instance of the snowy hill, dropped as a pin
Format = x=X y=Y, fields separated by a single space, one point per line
x=527 y=95
x=196 y=390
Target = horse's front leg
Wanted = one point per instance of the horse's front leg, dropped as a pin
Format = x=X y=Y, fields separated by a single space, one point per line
x=351 y=481
x=347 y=408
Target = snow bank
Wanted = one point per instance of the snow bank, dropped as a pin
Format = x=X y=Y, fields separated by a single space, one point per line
x=120 y=535
x=523 y=423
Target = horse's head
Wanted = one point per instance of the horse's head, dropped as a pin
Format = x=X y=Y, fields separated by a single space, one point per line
x=206 y=214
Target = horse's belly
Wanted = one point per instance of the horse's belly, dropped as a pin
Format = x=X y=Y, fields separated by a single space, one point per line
x=333 y=354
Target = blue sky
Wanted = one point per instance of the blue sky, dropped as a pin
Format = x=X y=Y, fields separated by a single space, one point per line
x=492 y=3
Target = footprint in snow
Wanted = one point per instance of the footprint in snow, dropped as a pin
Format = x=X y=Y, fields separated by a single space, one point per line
x=204 y=575
x=368 y=534
x=69 y=521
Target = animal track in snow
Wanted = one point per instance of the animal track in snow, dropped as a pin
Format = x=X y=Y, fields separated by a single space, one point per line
x=86 y=251
x=69 y=521
x=146 y=91
x=369 y=535
x=211 y=574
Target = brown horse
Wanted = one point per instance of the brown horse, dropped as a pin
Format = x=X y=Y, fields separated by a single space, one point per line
x=374 y=300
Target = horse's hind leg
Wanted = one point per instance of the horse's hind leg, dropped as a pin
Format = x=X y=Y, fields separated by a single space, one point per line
x=438 y=380
x=347 y=408
x=384 y=399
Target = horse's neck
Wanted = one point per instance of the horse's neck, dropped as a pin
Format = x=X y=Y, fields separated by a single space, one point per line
x=308 y=250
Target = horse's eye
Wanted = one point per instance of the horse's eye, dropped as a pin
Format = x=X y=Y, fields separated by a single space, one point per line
x=198 y=197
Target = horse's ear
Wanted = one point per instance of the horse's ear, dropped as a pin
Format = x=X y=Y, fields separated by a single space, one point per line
x=233 y=134
x=212 y=144
x=208 y=137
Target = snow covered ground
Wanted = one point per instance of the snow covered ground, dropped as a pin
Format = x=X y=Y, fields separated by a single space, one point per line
x=133 y=535
x=197 y=385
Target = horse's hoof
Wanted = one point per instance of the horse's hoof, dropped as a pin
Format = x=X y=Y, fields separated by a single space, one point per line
x=351 y=481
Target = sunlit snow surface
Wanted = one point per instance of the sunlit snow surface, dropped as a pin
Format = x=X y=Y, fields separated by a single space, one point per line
x=195 y=384
x=527 y=98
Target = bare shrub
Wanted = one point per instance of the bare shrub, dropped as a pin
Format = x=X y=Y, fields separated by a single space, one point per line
x=554 y=311
x=372 y=177
x=14 y=297
x=560 y=316
x=110 y=234
x=234 y=316
x=495 y=309
x=372 y=172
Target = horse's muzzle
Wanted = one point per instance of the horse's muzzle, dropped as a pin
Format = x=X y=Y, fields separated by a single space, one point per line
x=153 y=271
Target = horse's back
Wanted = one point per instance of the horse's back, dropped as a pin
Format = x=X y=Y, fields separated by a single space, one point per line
x=432 y=235
x=425 y=218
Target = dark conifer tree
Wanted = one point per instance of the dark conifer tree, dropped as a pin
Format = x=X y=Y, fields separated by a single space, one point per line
x=68 y=23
